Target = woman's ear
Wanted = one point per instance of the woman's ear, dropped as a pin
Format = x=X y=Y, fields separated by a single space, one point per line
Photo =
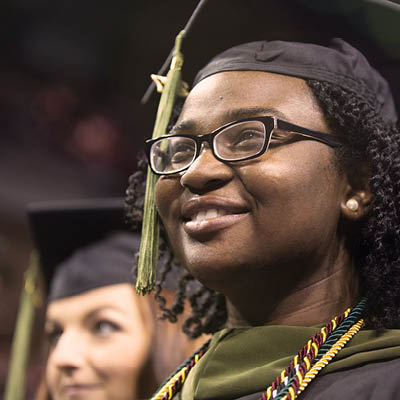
x=358 y=198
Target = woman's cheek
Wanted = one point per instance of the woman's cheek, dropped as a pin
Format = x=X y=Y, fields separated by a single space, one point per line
x=159 y=196
x=166 y=196
x=51 y=377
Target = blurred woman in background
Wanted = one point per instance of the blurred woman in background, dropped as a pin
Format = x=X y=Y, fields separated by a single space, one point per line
x=102 y=338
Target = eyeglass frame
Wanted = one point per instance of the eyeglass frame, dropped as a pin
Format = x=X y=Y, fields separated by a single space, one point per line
x=325 y=138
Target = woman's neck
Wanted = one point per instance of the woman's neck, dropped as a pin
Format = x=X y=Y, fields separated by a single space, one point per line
x=318 y=298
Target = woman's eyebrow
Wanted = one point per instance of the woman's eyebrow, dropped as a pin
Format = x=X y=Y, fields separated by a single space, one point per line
x=51 y=323
x=231 y=115
x=248 y=112
x=184 y=125
x=100 y=309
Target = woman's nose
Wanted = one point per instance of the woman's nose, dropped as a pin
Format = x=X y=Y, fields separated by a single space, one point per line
x=206 y=173
x=69 y=352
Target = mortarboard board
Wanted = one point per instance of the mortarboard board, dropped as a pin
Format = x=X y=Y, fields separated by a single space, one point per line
x=61 y=229
x=372 y=26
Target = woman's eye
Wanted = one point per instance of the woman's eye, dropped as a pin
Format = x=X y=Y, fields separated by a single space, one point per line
x=248 y=137
x=53 y=336
x=182 y=153
x=105 y=328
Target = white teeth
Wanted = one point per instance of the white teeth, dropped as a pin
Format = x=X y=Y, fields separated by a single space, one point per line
x=213 y=213
x=200 y=216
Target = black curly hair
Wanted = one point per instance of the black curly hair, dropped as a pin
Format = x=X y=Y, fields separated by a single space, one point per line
x=374 y=242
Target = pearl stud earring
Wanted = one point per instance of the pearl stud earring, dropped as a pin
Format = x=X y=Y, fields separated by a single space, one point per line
x=352 y=204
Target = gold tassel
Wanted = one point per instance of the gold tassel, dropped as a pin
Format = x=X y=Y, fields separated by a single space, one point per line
x=30 y=297
x=160 y=80
x=148 y=255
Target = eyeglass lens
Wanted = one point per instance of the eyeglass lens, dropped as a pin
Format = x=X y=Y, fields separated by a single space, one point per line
x=240 y=140
x=234 y=143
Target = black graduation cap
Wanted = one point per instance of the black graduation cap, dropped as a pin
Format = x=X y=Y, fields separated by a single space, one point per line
x=371 y=26
x=73 y=235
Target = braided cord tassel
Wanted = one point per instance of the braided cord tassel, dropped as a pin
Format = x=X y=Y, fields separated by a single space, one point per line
x=301 y=360
x=287 y=384
x=354 y=316
x=174 y=382
x=327 y=357
x=298 y=385
x=304 y=367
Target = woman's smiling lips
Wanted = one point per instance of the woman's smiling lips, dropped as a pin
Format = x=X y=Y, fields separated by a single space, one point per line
x=209 y=214
x=71 y=390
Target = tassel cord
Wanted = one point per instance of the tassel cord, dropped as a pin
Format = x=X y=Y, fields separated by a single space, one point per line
x=148 y=254
x=15 y=385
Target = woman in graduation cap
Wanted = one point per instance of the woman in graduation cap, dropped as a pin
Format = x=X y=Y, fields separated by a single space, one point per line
x=101 y=336
x=279 y=190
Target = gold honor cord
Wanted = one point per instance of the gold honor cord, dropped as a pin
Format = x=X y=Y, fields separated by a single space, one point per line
x=15 y=385
x=148 y=255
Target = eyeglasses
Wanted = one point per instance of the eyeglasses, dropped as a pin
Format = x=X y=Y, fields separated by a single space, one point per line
x=237 y=141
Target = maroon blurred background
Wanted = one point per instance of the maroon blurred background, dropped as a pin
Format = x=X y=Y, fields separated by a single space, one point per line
x=71 y=78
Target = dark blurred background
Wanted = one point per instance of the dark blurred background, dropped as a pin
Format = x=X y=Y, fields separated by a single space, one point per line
x=72 y=74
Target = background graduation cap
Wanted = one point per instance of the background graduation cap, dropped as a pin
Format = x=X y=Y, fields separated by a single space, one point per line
x=59 y=229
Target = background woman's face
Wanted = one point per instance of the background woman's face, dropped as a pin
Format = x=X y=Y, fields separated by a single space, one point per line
x=282 y=208
x=98 y=344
